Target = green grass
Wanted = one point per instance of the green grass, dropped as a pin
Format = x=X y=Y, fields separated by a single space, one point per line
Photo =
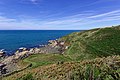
x=45 y=59
x=26 y=77
x=93 y=43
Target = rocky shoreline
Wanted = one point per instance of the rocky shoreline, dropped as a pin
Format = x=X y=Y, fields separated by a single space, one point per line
x=8 y=64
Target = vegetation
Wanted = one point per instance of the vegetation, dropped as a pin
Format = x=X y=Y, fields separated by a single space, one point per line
x=45 y=59
x=91 y=55
x=93 y=43
x=106 y=68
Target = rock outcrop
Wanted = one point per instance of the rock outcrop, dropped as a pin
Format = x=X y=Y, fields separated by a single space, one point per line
x=3 y=70
x=2 y=53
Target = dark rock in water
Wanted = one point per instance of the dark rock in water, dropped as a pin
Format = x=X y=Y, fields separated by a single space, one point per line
x=22 y=49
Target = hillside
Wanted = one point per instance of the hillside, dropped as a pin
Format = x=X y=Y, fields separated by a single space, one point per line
x=93 y=43
x=92 y=54
x=97 y=69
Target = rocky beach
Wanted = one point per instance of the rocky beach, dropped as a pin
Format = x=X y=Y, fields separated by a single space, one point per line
x=8 y=64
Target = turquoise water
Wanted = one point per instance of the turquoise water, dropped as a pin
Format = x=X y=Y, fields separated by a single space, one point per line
x=10 y=40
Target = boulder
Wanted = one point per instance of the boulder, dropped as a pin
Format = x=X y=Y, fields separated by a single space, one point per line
x=2 y=65
x=32 y=51
x=53 y=43
x=22 y=49
x=62 y=43
x=66 y=47
x=37 y=50
x=21 y=55
x=2 y=69
x=2 y=53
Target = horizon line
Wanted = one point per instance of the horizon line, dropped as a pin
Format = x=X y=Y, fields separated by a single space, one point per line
x=39 y=29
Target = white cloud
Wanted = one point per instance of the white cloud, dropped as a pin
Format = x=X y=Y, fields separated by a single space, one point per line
x=4 y=19
x=112 y=13
x=67 y=22
x=87 y=18
x=29 y=1
x=34 y=1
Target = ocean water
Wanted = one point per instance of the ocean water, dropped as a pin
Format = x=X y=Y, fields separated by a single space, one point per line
x=11 y=40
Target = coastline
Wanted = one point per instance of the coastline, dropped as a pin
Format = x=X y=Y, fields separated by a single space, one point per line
x=12 y=40
x=53 y=46
x=9 y=62
x=10 y=53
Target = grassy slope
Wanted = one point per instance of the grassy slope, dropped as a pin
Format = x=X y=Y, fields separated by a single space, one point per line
x=93 y=43
x=99 y=68
x=43 y=59
x=82 y=45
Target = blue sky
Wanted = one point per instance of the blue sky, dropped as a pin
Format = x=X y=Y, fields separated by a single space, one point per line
x=58 y=14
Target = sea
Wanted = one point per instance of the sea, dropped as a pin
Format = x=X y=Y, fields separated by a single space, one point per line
x=11 y=40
